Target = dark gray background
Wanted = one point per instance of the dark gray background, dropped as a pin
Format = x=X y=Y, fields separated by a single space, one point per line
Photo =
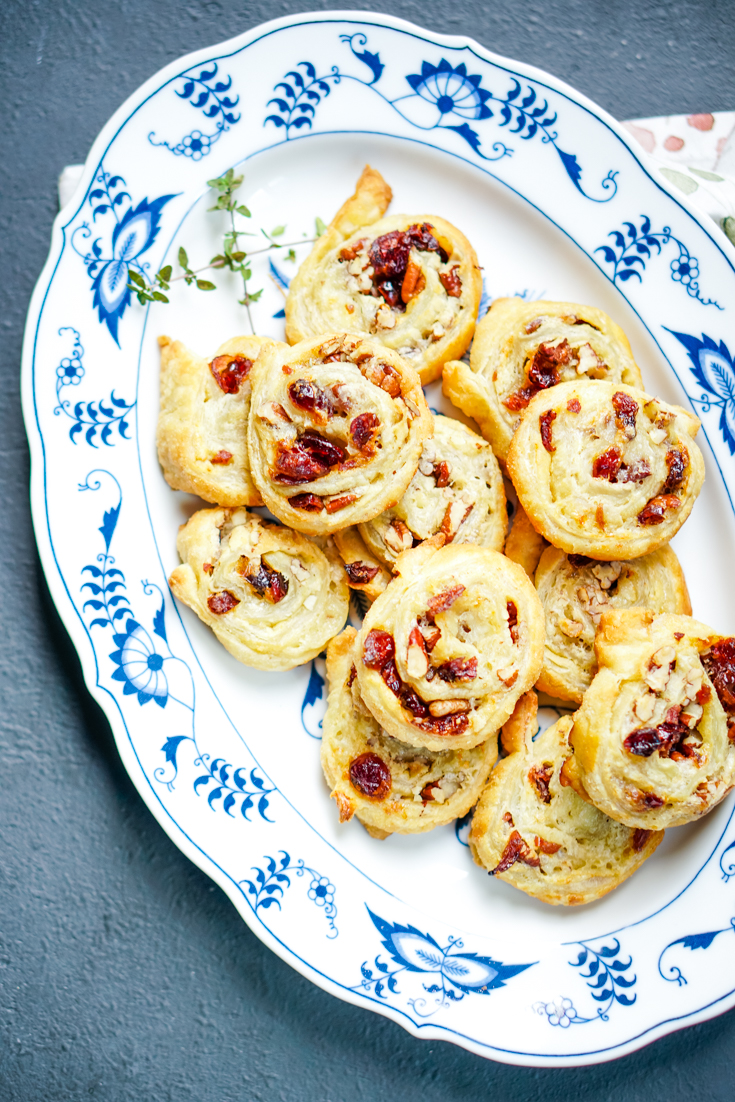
x=124 y=973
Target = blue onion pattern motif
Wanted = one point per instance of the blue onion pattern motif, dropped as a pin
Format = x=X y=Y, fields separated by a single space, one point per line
x=140 y=667
x=451 y=90
x=455 y=973
x=634 y=246
x=559 y=1011
x=95 y=420
x=109 y=260
x=607 y=977
x=670 y=971
x=714 y=369
x=268 y=886
x=214 y=99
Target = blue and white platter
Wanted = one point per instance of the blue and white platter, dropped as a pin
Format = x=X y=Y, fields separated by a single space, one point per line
x=558 y=205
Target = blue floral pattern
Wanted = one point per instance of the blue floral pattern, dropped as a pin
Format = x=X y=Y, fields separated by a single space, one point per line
x=131 y=234
x=268 y=887
x=456 y=974
x=671 y=972
x=213 y=103
x=606 y=980
x=714 y=368
x=634 y=247
x=443 y=96
x=96 y=420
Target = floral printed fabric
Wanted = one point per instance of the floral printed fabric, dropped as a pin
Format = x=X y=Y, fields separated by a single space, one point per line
x=695 y=153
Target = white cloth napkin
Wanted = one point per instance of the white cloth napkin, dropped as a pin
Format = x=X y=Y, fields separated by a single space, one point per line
x=695 y=153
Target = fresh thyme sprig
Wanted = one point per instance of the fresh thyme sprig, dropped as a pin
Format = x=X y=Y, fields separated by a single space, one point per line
x=233 y=256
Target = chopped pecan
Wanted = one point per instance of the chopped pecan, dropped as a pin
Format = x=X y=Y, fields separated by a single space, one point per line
x=360 y=573
x=458 y=669
x=443 y=600
x=516 y=850
x=398 y=536
x=417 y=659
x=207 y=568
x=540 y=779
x=222 y=602
x=455 y=514
x=383 y=375
x=441 y=708
x=545 y=421
x=413 y=282
x=578 y=561
x=546 y=847
x=427 y=792
x=654 y=512
x=334 y=504
x=349 y=252
x=229 y=372
x=451 y=282
x=370 y=775
x=440 y=473
x=508 y=818
x=512 y=611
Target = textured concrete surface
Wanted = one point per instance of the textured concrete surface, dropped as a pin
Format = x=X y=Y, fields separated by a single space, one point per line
x=124 y=973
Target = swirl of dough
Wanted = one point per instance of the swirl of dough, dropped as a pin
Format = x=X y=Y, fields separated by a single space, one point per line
x=391 y=787
x=457 y=492
x=336 y=430
x=272 y=597
x=202 y=425
x=651 y=745
x=533 y=831
x=445 y=652
x=524 y=545
x=575 y=591
x=365 y=572
x=521 y=348
x=412 y=282
x=605 y=470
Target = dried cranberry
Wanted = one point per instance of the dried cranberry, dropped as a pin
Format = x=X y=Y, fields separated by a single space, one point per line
x=389 y=673
x=540 y=779
x=654 y=512
x=519 y=399
x=310 y=397
x=544 y=369
x=229 y=372
x=546 y=847
x=705 y=693
x=294 y=464
x=573 y=405
x=308 y=503
x=625 y=408
x=378 y=649
x=412 y=702
x=451 y=282
x=444 y=726
x=545 y=421
x=326 y=451
x=636 y=472
x=360 y=573
x=516 y=850
x=266 y=581
x=677 y=462
x=643 y=742
x=220 y=603
x=363 y=429
x=651 y=801
x=640 y=837
x=512 y=611
x=579 y=561
x=607 y=465
x=458 y=669
x=389 y=256
x=222 y=458
x=720 y=667
x=370 y=775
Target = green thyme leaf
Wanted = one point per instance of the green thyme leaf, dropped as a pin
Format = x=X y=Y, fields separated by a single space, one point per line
x=205 y=285
x=136 y=277
x=165 y=273
x=278 y=231
x=320 y=227
x=159 y=297
x=183 y=258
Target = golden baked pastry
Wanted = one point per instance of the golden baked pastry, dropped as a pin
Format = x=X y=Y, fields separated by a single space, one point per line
x=524 y=545
x=336 y=429
x=605 y=470
x=202 y=426
x=653 y=743
x=445 y=652
x=523 y=347
x=390 y=786
x=533 y=831
x=272 y=597
x=575 y=591
x=410 y=281
x=457 y=492
x=365 y=571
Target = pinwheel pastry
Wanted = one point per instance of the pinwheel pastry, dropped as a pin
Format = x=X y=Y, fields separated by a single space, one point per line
x=521 y=348
x=272 y=597
x=390 y=786
x=605 y=470
x=524 y=545
x=336 y=429
x=202 y=426
x=445 y=652
x=365 y=571
x=533 y=831
x=412 y=281
x=654 y=739
x=575 y=591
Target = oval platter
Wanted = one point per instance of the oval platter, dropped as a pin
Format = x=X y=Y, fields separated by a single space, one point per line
x=558 y=205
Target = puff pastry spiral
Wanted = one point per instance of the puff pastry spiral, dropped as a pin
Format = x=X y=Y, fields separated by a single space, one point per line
x=521 y=348
x=447 y=649
x=272 y=597
x=536 y=833
x=336 y=430
x=605 y=470
x=390 y=786
x=653 y=742
x=412 y=282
